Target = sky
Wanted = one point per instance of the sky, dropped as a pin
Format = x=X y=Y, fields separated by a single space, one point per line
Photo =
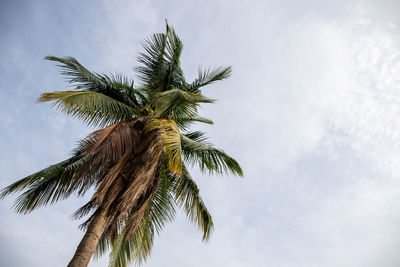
x=311 y=112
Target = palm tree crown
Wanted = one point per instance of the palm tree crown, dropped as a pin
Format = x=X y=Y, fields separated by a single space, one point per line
x=137 y=160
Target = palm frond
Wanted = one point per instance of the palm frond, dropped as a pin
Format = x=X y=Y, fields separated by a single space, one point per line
x=119 y=255
x=176 y=103
x=174 y=75
x=118 y=87
x=154 y=67
x=209 y=76
x=110 y=144
x=108 y=150
x=78 y=74
x=102 y=247
x=195 y=148
x=160 y=69
x=93 y=108
x=159 y=211
x=185 y=122
x=172 y=142
x=188 y=196
x=27 y=181
x=46 y=186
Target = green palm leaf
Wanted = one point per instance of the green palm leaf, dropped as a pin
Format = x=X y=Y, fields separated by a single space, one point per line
x=160 y=210
x=176 y=103
x=185 y=122
x=46 y=186
x=160 y=70
x=153 y=69
x=196 y=149
x=118 y=87
x=93 y=108
x=208 y=76
x=174 y=75
x=188 y=196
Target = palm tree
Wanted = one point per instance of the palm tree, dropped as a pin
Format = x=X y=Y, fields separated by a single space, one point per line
x=137 y=162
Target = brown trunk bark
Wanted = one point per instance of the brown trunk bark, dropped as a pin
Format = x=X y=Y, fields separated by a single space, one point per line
x=88 y=244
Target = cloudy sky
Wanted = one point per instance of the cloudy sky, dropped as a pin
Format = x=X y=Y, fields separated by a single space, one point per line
x=312 y=112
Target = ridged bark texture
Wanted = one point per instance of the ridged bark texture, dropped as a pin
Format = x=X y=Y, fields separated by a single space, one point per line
x=88 y=244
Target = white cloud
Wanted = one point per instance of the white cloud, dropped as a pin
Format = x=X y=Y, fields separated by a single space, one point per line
x=311 y=112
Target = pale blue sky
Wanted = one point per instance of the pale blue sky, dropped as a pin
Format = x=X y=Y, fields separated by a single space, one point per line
x=312 y=112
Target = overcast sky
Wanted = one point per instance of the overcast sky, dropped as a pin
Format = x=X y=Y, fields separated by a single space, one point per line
x=312 y=113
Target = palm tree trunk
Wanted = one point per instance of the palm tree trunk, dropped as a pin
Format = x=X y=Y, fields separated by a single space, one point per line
x=88 y=244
